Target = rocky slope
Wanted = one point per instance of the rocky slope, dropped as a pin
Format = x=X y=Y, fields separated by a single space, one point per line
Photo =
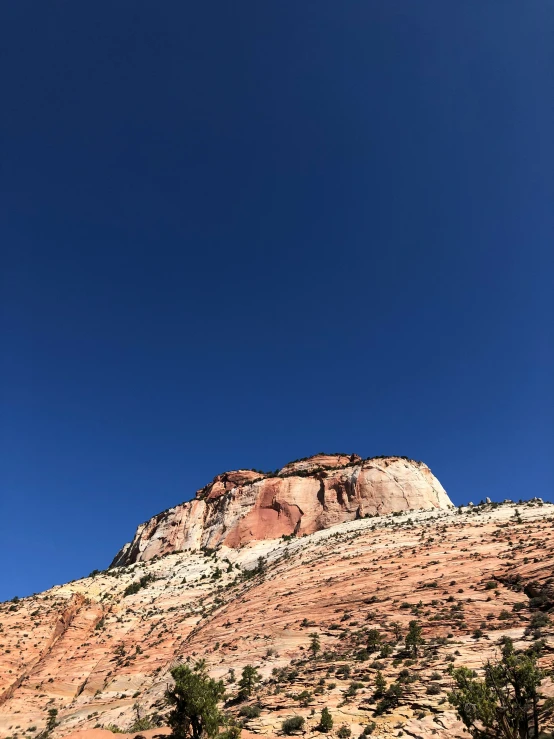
x=303 y=497
x=100 y=648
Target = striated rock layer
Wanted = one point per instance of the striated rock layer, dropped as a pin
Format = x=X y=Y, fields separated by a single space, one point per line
x=303 y=497
x=99 y=650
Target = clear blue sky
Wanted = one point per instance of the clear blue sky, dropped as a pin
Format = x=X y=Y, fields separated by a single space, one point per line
x=233 y=234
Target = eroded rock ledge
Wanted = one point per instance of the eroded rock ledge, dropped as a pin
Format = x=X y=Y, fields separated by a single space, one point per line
x=302 y=497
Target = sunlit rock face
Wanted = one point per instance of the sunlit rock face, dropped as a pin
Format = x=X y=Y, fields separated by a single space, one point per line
x=101 y=648
x=303 y=497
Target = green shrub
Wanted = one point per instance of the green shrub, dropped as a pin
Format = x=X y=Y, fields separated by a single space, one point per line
x=141 y=723
x=502 y=701
x=385 y=651
x=343 y=670
x=194 y=702
x=390 y=700
x=134 y=587
x=539 y=620
x=326 y=721
x=353 y=688
x=248 y=681
x=292 y=724
x=250 y=711
x=305 y=698
x=406 y=676
x=380 y=684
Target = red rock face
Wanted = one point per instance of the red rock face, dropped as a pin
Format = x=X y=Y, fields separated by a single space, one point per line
x=95 y=650
x=227 y=481
x=303 y=497
x=319 y=461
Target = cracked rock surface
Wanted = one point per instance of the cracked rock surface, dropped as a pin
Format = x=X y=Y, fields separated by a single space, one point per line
x=96 y=648
x=303 y=497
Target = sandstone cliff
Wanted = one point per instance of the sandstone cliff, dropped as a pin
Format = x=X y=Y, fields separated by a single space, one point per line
x=99 y=649
x=303 y=497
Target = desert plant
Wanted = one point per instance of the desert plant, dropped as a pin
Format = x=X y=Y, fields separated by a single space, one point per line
x=292 y=724
x=385 y=651
x=505 y=703
x=141 y=723
x=390 y=699
x=373 y=639
x=539 y=620
x=413 y=638
x=248 y=681
x=305 y=698
x=315 y=644
x=51 y=723
x=194 y=703
x=232 y=730
x=326 y=721
x=397 y=629
x=250 y=711
x=380 y=684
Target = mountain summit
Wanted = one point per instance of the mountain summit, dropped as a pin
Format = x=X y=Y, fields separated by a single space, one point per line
x=326 y=620
x=304 y=496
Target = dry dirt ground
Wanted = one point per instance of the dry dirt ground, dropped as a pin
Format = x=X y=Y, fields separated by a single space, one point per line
x=99 y=655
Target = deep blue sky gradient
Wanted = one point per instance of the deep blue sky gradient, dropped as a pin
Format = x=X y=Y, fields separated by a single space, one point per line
x=233 y=234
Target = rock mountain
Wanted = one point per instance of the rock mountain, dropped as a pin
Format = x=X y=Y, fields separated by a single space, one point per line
x=246 y=572
x=303 y=497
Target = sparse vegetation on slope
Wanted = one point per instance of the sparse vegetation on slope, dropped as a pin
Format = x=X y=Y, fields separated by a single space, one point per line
x=363 y=620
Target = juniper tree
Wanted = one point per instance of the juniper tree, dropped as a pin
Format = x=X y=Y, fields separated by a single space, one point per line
x=373 y=639
x=390 y=699
x=397 y=628
x=315 y=644
x=326 y=721
x=141 y=723
x=505 y=703
x=194 y=699
x=380 y=684
x=414 y=638
x=51 y=723
x=248 y=681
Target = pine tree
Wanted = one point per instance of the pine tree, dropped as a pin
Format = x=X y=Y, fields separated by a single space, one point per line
x=380 y=683
x=373 y=639
x=233 y=730
x=413 y=638
x=141 y=723
x=390 y=699
x=326 y=721
x=505 y=703
x=397 y=628
x=315 y=645
x=248 y=681
x=52 y=719
x=194 y=699
x=51 y=723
